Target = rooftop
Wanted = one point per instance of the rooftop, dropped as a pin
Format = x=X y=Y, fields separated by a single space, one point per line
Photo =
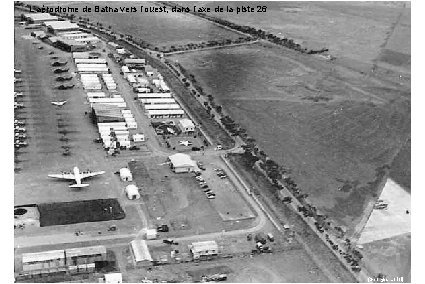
x=40 y=17
x=43 y=256
x=62 y=25
x=181 y=160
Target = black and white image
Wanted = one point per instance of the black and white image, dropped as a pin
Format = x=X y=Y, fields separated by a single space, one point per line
x=212 y=141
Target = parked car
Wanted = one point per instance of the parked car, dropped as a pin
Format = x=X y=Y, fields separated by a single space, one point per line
x=134 y=148
x=270 y=237
x=196 y=149
x=201 y=166
x=162 y=228
x=199 y=178
x=204 y=186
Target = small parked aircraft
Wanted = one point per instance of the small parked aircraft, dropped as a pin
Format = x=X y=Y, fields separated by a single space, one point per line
x=185 y=143
x=77 y=176
x=59 y=104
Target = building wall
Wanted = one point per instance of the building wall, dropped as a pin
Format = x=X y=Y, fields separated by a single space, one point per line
x=183 y=169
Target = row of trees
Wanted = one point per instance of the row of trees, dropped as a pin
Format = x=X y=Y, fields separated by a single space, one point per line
x=257 y=33
x=201 y=45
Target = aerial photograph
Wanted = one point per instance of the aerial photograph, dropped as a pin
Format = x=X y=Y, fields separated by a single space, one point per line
x=212 y=141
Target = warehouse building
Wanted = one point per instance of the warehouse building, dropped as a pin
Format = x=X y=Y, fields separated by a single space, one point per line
x=136 y=63
x=88 y=40
x=203 y=249
x=67 y=44
x=158 y=101
x=56 y=27
x=140 y=252
x=84 y=259
x=186 y=125
x=182 y=163
x=165 y=113
x=166 y=106
x=106 y=113
x=74 y=35
x=38 y=18
x=144 y=95
x=53 y=259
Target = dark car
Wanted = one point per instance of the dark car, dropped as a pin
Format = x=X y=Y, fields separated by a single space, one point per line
x=134 y=148
x=162 y=228
x=201 y=166
x=196 y=149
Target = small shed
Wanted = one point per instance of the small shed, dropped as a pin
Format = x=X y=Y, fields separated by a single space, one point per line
x=132 y=192
x=126 y=175
x=204 y=249
x=151 y=234
x=186 y=125
x=138 y=137
x=113 y=278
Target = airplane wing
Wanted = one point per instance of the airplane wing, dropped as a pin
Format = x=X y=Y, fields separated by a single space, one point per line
x=62 y=176
x=91 y=174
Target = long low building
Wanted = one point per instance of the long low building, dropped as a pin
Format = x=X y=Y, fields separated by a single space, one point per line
x=204 y=249
x=158 y=101
x=87 y=40
x=69 y=45
x=106 y=100
x=74 y=35
x=165 y=113
x=105 y=113
x=140 y=251
x=92 y=65
x=41 y=260
x=38 y=18
x=85 y=255
x=90 y=61
x=96 y=95
x=56 y=27
x=154 y=95
x=165 y=106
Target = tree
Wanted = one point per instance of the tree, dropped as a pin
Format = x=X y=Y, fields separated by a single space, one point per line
x=219 y=109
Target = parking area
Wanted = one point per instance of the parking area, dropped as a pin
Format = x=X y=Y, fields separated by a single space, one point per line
x=178 y=200
x=227 y=201
x=59 y=138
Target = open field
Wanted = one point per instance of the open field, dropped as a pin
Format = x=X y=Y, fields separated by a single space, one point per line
x=391 y=257
x=392 y=221
x=158 y=29
x=358 y=31
x=359 y=128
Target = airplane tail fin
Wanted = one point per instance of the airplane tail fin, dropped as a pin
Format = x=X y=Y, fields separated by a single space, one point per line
x=79 y=185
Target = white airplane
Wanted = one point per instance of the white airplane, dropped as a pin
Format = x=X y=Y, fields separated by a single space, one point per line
x=77 y=176
x=185 y=143
x=59 y=104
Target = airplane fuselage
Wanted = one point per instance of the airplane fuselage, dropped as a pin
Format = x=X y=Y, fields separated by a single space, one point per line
x=77 y=175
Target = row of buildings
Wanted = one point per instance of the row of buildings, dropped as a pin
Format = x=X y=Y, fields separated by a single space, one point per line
x=60 y=33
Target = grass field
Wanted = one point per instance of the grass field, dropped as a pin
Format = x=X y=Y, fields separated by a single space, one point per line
x=64 y=213
x=355 y=30
x=360 y=127
x=158 y=29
